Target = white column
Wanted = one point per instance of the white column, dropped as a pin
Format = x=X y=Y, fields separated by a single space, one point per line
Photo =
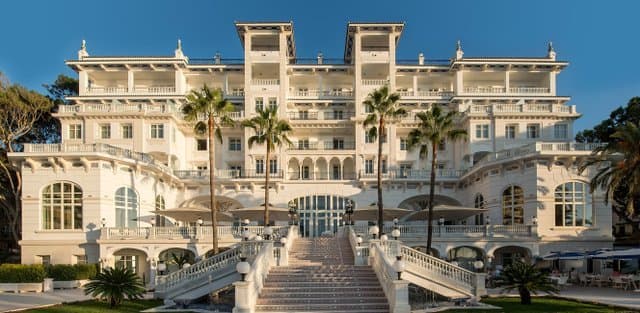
x=459 y=82
x=415 y=84
x=507 y=81
x=226 y=83
x=392 y=61
x=83 y=82
x=320 y=82
x=130 y=81
x=552 y=83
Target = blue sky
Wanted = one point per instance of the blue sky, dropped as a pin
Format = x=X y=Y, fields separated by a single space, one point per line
x=598 y=38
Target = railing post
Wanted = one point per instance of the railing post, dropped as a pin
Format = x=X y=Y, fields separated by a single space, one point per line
x=243 y=299
x=480 y=289
x=400 y=290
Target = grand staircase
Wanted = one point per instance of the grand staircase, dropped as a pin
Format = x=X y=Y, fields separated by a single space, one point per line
x=321 y=277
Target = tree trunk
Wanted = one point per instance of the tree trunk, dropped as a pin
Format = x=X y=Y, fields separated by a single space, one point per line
x=267 y=173
x=212 y=187
x=380 y=204
x=432 y=185
x=525 y=295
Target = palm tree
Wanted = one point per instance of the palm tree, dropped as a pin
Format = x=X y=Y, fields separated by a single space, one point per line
x=272 y=132
x=618 y=164
x=526 y=278
x=383 y=110
x=210 y=111
x=435 y=127
x=114 y=285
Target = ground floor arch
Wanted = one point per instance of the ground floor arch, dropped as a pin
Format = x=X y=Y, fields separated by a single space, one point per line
x=466 y=256
x=176 y=258
x=506 y=255
x=133 y=259
x=318 y=214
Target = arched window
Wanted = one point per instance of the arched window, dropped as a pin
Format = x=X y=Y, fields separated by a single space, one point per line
x=513 y=206
x=126 y=207
x=62 y=206
x=478 y=203
x=573 y=205
x=161 y=221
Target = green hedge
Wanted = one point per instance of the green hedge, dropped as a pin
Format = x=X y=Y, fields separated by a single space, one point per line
x=63 y=272
x=19 y=273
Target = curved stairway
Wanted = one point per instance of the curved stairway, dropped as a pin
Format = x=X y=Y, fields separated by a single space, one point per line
x=321 y=277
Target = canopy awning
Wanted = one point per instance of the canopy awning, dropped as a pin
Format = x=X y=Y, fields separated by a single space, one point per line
x=619 y=254
x=370 y=213
x=257 y=213
x=564 y=256
x=192 y=214
x=448 y=212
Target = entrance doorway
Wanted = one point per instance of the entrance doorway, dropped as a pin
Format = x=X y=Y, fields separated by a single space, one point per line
x=320 y=214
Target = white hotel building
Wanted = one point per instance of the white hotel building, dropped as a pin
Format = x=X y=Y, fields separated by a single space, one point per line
x=126 y=151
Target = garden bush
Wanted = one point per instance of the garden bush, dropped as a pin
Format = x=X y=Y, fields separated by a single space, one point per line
x=64 y=272
x=22 y=273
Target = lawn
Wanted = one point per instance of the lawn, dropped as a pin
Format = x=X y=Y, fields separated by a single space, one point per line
x=542 y=304
x=99 y=307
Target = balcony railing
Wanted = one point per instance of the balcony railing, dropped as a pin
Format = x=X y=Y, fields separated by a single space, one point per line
x=120 y=108
x=303 y=115
x=320 y=175
x=316 y=93
x=425 y=93
x=224 y=174
x=449 y=231
x=138 y=90
x=181 y=232
x=265 y=82
x=324 y=145
x=106 y=90
x=483 y=90
x=410 y=174
x=320 y=115
x=529 y=90
x=521 y=108
x=375 y=82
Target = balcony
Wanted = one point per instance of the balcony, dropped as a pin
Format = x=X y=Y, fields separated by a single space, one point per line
x=425 y=93
x=322 y=94
x=266 y=54
x=375 y=82
x=529 y=90
x=323 y=145
x=521 y=108
x=461 y=231
x=411 y=174
x=103 y=108
x=109 y=91
x=265 y=82
x=320 y=175
x=503 y=90
x=179 y=232
x=485 y=90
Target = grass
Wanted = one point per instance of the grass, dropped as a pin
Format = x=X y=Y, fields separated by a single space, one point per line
x=542 y=305
x=99 y=307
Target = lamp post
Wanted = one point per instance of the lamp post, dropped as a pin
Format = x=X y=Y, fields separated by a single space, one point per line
x=246 y=234
x=478 y=264
x=384 y=238
x=441 y=221
x=534 y=220
x=268 y=232
x=395 y=233
x=199 y=221
x=292 y=212
x=243 y=267
x=349 y=211
x=373 y=231
x=399 y=266
x=162 y=267
x=358 y=240
x=103 y=221
x=395 y=221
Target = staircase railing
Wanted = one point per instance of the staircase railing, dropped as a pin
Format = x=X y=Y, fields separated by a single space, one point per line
x=395 y=289
x=204 y=268
x=447 y=274
x=360 y=251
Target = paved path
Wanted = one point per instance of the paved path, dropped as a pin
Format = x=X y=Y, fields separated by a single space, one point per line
x=608 y=296
x=20 y=301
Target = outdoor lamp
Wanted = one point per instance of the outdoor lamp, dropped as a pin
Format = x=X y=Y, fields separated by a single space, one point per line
x=441 y=220
x=162 y=267
x=383 y=237
x=200 y=221
x=488 y=219
x=268 y=231
x=243 y=267
x=395 y=233
x=186 y=265
x=395 y=221
x=245 y=221
x=246 y=234
x=258 y=238
x=373 y=231
x=478 y=264
x=152 y=222
x=534 y=220
x=399 y=266
x=359 y=240
x=283 y=240
x=104 y=222
x=454 y=263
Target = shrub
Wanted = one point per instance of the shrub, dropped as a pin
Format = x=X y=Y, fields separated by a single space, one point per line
x=63 y=272
x=22 y=273
x=114 y=285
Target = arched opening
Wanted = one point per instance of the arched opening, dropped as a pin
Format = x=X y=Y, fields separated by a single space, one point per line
x=306 y=170
x=321 y=167
x=466 y=256
x=160 y=205
x=133 y=259
x=320 y=214
x=505 y=256
x=176 y=258
x=479 y=203
x=335 y=170
x=477 y=156
x=573 y=205
x=293 y=169
x=348 y=168
x=62 y=206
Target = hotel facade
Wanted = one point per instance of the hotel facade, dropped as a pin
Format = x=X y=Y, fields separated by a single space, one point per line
x=126 y=152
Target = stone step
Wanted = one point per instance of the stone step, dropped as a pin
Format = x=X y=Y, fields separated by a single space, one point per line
x=326 y=280
x=314 y=294
x=364 y=307
x=320 y=289
x=302 y=276
x=372 y=283
x=328 y=301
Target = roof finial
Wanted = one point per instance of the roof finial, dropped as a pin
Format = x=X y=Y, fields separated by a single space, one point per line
x=178 y=53
x=459 y=52
x=551 y=53
x=82 y=53
x=83 y=46
x=179 y=46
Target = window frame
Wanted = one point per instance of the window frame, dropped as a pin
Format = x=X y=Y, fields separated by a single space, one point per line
x=536 y=131
x=75 y=131
x=514 y=207
x=577 y=198
x=157 y=131
x=126 y=130
x=65 y=203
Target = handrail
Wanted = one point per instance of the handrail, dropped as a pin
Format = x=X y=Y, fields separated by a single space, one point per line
x=247 y=291
x=395 y=289
x=204 y=267
x=360 y=252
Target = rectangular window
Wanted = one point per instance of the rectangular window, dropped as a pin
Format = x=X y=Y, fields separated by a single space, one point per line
x=105 y=131
x=368 y=166
x=259 y=166
x=533 y=131
x=405 y=170
x=560 y=131
x=201 y=144
x=127 y=261
x=45 y=260
x=338 y=143
x=202 y=167
x=273 y=102
x=127 y=131
x=235 y=144
x=338 y=115
x=81 y=259
x=273 y=166
x=75 y=131
x=510 y=131
x=235 y=170
x=305 y=172
x=303 y=144
x=368 y=138
x=403 y=144
x=157 y=131
x=482 y=131
x=383 y=166
x=259 y=104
